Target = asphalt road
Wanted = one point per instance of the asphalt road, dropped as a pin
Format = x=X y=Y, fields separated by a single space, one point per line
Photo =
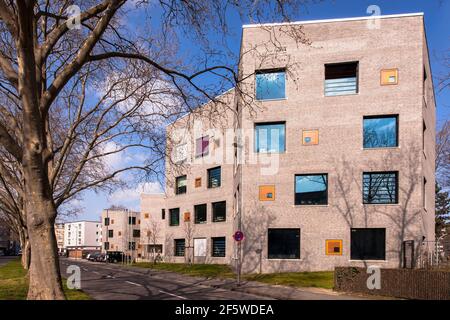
x=111 y=282
x=6 y=259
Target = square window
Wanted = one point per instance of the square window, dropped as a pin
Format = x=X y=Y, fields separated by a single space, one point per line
x=284 y=244
x=187 y=216
x=341 y=78
x=218 y=247
x=380 y=187
x=136 y=233
x=333 y=247
x=270 y=137
x=267 y=193
x=270 y=84
x=368 y=244
x=181 y=185
x=219 y=210
x=214 y=177
x=380 y=131
x=146 y=215
x=311 y=189
x=132 y=220
x=174 y=217
x=179 y=247
x=310 y=137
x=202 y=146
x=389 y=76
x=198 y=182
x=200 y=213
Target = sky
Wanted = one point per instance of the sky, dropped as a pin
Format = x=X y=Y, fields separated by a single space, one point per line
x=437 y=18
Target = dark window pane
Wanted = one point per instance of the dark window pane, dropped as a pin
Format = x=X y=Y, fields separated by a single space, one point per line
x=136 y=233
x=179 y=247
x=163 y=214
x=270 y=137
x=380 y=132
x=131 y=245
x=180 y=184
x=270 y=85
x=106 y=221
x=106 y=245
x=219 y=210
x=200 y=213
x=341 y=79
x=174 y=217
x=311 y=189
x=132 y=220
x=218 y=247
x=368 y=244
x=214 y=177
x=380 y=187
x=110 y=233
x=284 y=243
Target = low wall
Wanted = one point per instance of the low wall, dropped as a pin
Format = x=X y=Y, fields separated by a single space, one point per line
x=401 y=283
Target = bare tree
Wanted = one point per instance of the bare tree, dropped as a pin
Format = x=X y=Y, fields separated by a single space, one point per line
x=153 y=235
x=189 y=231
x=69 y=98
x=443 y=155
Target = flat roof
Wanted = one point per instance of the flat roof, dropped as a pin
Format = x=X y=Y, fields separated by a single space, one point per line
x=257 y=25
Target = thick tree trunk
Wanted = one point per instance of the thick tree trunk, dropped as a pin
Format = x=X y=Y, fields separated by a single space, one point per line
x=44 y=273
x=26 y=250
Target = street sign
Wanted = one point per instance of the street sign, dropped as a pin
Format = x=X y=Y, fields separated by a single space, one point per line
x=238 y=236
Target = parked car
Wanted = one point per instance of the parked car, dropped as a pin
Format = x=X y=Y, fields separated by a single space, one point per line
x=114 y=256
x=93 y=256
x=100 y=257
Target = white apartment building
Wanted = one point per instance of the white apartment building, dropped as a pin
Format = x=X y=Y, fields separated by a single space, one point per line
x=81 y=235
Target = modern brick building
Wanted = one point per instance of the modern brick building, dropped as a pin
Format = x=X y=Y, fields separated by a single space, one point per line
x=121 y=231
x=326 y=159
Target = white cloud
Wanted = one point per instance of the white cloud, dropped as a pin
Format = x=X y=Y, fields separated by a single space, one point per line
x=130 y=196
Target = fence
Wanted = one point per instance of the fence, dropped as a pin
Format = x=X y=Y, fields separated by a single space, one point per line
x=401 y=283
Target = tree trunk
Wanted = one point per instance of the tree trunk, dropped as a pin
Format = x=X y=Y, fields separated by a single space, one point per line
x=44 y=273
x=26 y=250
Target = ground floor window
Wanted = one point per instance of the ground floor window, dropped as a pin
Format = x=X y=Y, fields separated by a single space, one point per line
x=154 y=248
x=218 y=247
x=179 y=247
x=368 y=244
x=284 y=244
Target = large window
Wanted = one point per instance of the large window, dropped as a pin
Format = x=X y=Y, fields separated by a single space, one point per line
x=202 y=146
x=380 y=131
x=200 y=213
x=311 y=189
x=179 y=247
x=284 y=243
x=218 y=247
x=341 y=78
x=174 y=217
x=270 y=137
x=270 y=84
x=180 y=185
x=219 y=211
x=132 y=220
x=214 y=177
x=380 y=187
x=368 y=244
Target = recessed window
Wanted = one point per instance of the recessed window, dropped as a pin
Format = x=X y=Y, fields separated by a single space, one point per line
x=219 y=210
x=424 y=131
x=270 y=137
x=270 y=84
x=284 y=244
x=341 y=78
x=146 y=215
x=174 y=217
x=389 y=77
x=311 y=189
x=380 y=131
x=131 y=245
x=380 y=187
x=424 y=192
x=179 y=247
x=187 y=216
x=136 y=233
x=198 y=182
x=180 y=185
x=106 y=245
x=106 y=222
x=202 y=146
x=214 y=177
x=368 y=244
x=163 y=214
x=132 y=220
x=200 y=213
x=218 y=247
x=110 y=233
x=333 y=247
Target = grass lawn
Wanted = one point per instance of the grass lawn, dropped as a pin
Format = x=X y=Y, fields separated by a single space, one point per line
x=323 y=279
x=14 y=284
x=295 y=279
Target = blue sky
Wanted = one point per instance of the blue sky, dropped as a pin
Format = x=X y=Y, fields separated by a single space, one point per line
x=437 y=17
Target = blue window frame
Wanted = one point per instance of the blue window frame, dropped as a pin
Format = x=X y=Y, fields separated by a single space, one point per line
x=380 y=131
x=311 y=189
x=270 y=137
x=270 y=84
